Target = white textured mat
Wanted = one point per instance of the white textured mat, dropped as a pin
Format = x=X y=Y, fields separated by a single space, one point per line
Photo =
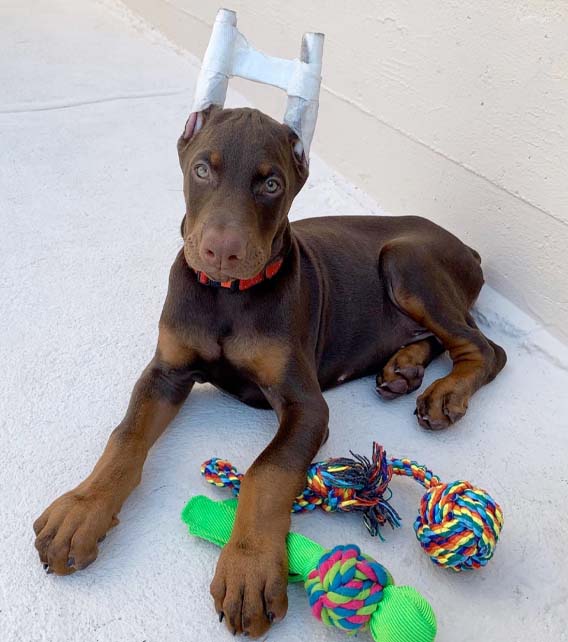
x=90 y=204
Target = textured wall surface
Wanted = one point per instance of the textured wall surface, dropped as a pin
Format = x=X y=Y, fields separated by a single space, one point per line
x=454 y=110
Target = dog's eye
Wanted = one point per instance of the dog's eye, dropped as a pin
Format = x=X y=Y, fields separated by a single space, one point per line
x=271 y=186
x=201 y=170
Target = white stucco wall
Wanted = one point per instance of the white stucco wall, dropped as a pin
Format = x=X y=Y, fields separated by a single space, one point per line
x=455 y=110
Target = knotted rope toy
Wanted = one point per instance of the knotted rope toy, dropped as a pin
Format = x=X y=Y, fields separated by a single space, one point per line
x=346 y=588
x=458 y=524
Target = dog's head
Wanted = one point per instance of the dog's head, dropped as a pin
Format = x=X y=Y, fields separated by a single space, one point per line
x=241 y=172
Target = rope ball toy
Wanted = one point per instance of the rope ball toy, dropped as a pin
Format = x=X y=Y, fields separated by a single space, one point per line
x=458 y=524
x=346 y=589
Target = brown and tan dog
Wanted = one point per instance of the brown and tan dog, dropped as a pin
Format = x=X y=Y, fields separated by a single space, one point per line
x=296 y=309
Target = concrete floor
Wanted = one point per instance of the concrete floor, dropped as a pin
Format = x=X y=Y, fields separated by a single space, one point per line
x=91 y=103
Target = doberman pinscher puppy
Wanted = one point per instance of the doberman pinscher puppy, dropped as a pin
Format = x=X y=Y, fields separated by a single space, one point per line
x=273 y=314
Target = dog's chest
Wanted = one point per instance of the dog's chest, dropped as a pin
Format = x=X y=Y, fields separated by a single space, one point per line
x=225 y=355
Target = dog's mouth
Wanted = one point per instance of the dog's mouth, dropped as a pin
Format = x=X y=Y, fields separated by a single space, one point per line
x=247 y=269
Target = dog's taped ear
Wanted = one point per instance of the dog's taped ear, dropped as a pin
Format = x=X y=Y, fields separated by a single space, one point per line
x=194 y=124
x=299 y=158
x=196 y=121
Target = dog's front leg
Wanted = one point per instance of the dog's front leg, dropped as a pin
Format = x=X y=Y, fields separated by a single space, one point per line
x=69 y=530
x=250 y=583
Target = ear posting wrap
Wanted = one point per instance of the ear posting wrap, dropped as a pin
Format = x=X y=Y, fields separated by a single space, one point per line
x=229 y=54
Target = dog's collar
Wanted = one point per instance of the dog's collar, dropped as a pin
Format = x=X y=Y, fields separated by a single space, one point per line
x=238 y=285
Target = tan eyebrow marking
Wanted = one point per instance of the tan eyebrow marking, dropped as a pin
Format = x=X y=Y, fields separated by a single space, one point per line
x=265 y=169
x=215 y=159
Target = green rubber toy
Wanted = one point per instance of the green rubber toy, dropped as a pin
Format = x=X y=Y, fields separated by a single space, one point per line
x=346 y=589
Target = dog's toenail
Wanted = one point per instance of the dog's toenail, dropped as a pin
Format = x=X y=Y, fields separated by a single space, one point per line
x=45 y=567
x=71 y=562
x=221 y=616
x=270 y=615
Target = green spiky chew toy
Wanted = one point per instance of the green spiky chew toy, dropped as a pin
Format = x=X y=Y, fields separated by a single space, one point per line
x=346 y=588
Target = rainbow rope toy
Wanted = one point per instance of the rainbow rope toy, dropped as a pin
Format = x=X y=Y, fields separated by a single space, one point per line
x=346 y=588
x=458 y=524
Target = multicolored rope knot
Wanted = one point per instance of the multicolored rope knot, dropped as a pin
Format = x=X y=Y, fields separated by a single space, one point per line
x=458 y=524
x=345 y=588
x=350 y=591
x=339 y=484
x=222 y=473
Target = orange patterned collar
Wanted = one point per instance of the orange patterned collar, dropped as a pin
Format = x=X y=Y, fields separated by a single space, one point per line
x=238 y=285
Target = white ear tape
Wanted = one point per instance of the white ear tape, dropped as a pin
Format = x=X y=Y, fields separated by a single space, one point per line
x=229 y=54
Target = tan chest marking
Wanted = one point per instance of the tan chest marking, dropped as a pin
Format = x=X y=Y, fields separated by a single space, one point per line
x=179 y=350
x=265 y=358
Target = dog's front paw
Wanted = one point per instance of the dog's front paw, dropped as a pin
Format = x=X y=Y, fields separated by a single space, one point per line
x=250 y=586
x=69 y=530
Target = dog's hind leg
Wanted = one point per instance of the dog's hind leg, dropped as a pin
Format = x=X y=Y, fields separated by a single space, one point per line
x=435 y=284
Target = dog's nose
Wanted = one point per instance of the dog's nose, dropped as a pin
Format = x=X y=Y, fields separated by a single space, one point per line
x=222 y=248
